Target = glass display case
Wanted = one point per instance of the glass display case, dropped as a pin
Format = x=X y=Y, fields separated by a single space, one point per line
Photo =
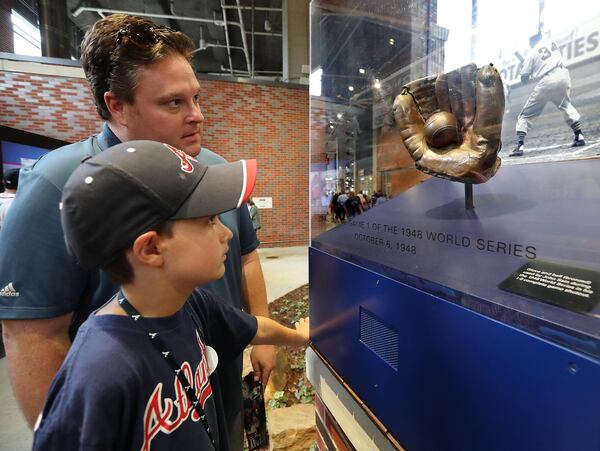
x=455 y=239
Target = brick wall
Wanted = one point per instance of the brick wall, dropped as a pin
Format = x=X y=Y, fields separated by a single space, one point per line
x=242 y=120
x=270 y=124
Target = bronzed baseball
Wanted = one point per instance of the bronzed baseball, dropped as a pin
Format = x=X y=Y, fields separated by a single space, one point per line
x=441 y=130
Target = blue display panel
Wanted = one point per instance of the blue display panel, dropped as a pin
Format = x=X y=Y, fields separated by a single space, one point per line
x=443 y=377
x=15 y=155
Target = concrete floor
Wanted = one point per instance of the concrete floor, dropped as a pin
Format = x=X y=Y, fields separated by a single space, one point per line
x=285 y=269
x=14 y=433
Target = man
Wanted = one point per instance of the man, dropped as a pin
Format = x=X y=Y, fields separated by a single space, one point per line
x=545 y=65
x=144 y=87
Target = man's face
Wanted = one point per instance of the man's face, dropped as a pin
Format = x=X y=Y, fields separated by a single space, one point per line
x=166 y=106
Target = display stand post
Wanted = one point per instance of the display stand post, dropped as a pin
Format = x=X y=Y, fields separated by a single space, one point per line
x=469 y=196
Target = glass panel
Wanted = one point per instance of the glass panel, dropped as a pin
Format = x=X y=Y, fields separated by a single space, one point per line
x=361 y=59
x=460 y=204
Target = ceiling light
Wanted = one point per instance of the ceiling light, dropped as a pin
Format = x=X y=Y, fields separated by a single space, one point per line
x=350 y=88
x=361 y=71
x=377 y=84
x=339 y=115
x=392 y=41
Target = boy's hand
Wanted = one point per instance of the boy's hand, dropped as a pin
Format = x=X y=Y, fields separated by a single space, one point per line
x=263 y=362
x=302 y=328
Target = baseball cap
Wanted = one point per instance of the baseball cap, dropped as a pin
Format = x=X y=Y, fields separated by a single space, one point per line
x=11 y=179
x=126 y=190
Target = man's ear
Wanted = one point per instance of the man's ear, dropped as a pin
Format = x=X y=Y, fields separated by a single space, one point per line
x=146 y=249
x=116 y=107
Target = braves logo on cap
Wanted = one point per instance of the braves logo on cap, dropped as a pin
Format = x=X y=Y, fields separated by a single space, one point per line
x=186 y=165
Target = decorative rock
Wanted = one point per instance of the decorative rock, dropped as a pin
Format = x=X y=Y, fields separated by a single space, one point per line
x=279 y=375
x=292 y=428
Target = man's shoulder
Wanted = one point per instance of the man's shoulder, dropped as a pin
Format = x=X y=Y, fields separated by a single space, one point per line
x=57 y=165
x=208 y=157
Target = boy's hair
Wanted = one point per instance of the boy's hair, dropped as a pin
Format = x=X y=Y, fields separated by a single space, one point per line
x=120 y=270
x=115 y=49
x=115 y=196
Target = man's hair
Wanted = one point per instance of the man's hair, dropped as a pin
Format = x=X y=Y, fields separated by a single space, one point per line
x=120 y=270
x=112 y=63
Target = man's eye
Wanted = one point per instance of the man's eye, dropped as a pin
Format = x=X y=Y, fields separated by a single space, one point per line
x=212 y=220
x=174 y=103
x=197 y=99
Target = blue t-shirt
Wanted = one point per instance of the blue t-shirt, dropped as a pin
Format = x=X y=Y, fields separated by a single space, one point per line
x=115 y=390
x=43 y=280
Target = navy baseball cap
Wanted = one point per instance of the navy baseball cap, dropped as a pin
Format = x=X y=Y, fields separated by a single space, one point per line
x=126 y=190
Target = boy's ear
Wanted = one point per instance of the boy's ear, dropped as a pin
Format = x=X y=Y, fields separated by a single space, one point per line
x=116 y=107
x=146 y=249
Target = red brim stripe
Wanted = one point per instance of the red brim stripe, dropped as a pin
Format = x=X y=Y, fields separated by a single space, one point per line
x=250 y=169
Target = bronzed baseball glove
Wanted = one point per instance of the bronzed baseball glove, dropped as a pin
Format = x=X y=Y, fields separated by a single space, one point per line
x=465 y=147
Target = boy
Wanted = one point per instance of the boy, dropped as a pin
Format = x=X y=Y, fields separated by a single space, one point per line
x=139 y=373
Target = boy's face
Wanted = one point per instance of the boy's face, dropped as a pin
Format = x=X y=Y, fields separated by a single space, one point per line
x=166 y=106
x=197 y=250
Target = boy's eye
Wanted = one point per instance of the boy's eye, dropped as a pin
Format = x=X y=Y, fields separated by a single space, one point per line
x=212 y=220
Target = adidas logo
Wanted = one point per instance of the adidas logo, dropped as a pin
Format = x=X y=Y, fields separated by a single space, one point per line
x=9 y=290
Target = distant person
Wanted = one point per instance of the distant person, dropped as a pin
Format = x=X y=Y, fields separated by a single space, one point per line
x=341 y=209
x=253 y=211
x=544 y=64
x=353 y=205
x=381 y=198
x=141 y=372
x=11 y=183
x=364 y=200
x=333 y=207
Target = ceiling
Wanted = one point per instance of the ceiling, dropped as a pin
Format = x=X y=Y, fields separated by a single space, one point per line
x=215 y=26
x=241 y=38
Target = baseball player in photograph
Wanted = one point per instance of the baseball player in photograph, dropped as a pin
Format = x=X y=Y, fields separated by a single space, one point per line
x=544 y=64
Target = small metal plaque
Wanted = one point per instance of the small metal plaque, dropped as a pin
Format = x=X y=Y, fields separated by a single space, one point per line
x=569 y=287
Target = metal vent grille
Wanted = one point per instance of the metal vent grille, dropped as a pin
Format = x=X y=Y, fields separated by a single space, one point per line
x=379 y=338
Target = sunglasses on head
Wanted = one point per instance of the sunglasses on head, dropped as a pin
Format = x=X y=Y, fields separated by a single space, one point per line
x=141 y=34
